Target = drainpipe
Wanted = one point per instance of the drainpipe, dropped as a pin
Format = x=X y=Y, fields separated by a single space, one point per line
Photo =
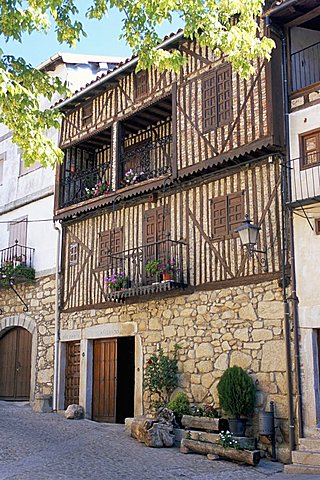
x=295 y=314
x=288 y=237
x=57 y=324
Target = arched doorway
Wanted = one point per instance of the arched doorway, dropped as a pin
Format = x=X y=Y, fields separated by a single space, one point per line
x=15 y=364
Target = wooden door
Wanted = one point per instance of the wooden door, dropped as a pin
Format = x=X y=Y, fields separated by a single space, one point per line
x=104 y=380
x=15 y=364
x=72 y=376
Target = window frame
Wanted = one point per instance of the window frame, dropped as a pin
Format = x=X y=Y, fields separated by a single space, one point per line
x=73 y=253
x=141 y=84
x=302 y=137
x=216 y=120
x=87 y=114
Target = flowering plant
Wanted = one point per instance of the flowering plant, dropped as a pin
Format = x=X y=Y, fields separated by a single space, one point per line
x=117 y=281
x=152 y=267
x=208 y=410
x=100 y=188
x=226 y=440
x=168 y=266
x=131 y=177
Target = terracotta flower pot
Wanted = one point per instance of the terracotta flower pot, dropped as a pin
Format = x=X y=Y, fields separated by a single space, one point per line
x=167 y=276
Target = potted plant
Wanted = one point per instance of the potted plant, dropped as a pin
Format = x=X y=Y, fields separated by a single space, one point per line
x=117 y=281
x=100 y=188
x=180 y=405
x=237 y=395
x=152 y=267
x=131 y=177
x=168 y=269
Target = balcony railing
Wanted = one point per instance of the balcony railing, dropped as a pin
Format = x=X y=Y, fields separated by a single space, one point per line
x=81 y=185
x=305 y=67
x=126 y=274
x=305 y=179
x=16 y=263
x=149 y=160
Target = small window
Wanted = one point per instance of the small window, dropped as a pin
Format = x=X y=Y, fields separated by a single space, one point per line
x=87 y=114
x=310 y=149
x=141 y=84
x=217 y=98
x=73 y=253
x=227 y=213
x=317 y=226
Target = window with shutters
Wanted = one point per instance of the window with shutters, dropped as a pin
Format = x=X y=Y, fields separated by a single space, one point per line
x=73 y=253
x=310 y=149
x=110 y=245
x=217 y=98
x=18 y=232
x=87 y=114
x=156 y=228
x=227 y=213
x=141 y=84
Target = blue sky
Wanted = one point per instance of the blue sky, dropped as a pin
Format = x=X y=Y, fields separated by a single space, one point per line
x=102 y=39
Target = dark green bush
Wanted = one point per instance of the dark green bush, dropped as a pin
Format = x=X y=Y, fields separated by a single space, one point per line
x=180 y=406
x=237 y=392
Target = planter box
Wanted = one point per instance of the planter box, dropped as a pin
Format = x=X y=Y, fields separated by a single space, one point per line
x=244 y=456
x=208 y=437
x=204 y=423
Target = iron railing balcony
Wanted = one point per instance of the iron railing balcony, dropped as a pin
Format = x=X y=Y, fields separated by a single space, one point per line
x=305 y=180
x=150 y=160
x=305 y=67
x=82 y=185
x=16 y=264
x=128 y=269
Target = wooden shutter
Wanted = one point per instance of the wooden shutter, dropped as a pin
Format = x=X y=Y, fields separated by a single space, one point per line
x=104 y=248
x=209 y=102
x=87 y=114
x=219 y=223
x=235 y=210
x=18 y=232
x=141 y=84
x=150 y=234
x=224 y=95
x=110 y=243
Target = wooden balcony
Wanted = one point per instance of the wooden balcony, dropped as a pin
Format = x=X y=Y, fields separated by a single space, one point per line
x=127 y=270
x=16 y=265
x=81 y=185
x=305 y=67
x=305 y=180
x=146 y=161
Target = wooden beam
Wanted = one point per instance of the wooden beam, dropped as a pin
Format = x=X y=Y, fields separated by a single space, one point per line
x=304 y=18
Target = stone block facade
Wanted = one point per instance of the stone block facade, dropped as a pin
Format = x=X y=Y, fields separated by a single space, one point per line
x=39 y=321
x=215 y=329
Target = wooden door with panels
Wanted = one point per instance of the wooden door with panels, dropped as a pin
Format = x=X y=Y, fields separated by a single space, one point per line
x=113 y=379
x=72 y=374
x=15 y=364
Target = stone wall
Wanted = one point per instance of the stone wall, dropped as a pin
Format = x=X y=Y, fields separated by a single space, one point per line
x=215 y=329
x=40 y=298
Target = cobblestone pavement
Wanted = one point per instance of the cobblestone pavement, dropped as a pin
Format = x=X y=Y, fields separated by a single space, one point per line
x=37 y=446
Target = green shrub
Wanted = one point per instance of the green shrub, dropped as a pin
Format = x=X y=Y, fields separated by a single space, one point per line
x=237 y=392
x=24 y=271
x=180 y=406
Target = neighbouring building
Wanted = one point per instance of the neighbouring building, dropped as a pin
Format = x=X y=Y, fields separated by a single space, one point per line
x=28 y=243
x=300 y=26
x=164 y=166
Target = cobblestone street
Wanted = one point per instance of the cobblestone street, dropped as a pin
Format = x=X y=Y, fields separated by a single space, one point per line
x=47 y=446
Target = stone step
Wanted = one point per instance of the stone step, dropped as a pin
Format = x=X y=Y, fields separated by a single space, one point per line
x=306 y=457
x=309 y=443
x=302 y=469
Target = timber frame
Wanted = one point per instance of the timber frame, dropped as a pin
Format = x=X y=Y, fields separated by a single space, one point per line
x=142 y=144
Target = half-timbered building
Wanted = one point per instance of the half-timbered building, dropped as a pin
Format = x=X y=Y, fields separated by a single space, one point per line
x=162 y=167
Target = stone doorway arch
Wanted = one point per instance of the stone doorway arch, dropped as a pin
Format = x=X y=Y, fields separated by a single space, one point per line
x=22 y=320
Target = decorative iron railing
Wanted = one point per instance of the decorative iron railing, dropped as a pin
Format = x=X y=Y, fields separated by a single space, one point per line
x=305 y=67
x=150 y=160
x=305 y=179
x=16 y=264
x=84 y=184
x=128 y=270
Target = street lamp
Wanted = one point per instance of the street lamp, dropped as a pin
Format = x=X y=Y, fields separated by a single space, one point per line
x=248 y=234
